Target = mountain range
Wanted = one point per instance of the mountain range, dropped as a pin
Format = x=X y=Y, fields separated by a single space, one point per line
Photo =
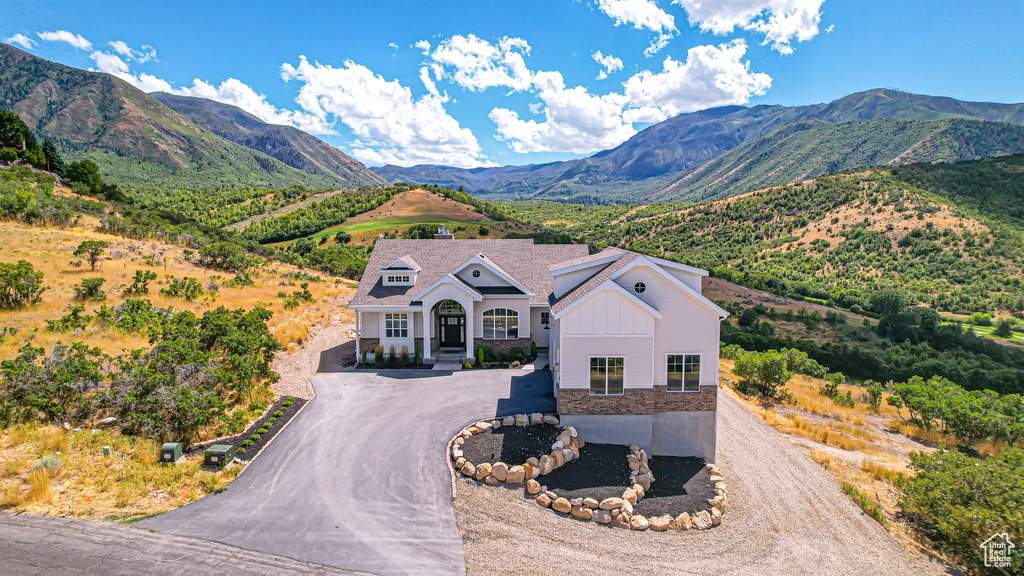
x=734 y=149
x=161 y=140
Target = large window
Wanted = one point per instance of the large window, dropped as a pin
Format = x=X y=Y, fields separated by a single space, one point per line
x=450 y=307
x=398 y=279
x=606 y=375
x=501 y=324
x=683 y=372
x=396 y=325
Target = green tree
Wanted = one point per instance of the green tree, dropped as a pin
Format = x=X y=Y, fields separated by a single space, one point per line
x=87 y=173
x=763 y=373
x=54 y=162
x=58 y=388
x=419 y=231
x=20 y=284
x=888 y=302
x=89 y=289
x=1003 y=328
x=91 y=250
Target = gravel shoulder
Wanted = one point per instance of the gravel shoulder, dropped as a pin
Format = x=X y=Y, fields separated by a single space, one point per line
x=786 y=515
x=321 y=353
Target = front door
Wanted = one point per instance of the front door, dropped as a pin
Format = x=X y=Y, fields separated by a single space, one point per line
x=453 y=331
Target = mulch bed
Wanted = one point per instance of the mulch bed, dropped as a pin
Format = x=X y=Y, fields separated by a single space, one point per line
x=600 y=472
x=680 y=485
x=510 y=444
x=257 y=445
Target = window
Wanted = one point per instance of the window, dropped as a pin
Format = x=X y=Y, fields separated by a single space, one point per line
x=398 y=279
x=450 y=307
x=606 y=375
x=683 y=372
x=501 y=324
x=639 y=287
x=545 y=318
x=476 y=273
x=396 y=325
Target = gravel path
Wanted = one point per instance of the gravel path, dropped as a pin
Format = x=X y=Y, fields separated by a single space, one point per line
x=298 y=367
x=32 y=545
x=786 y=515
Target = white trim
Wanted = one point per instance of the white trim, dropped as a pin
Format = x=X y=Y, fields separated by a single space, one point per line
x=401 y=266
x=609 y=285
x=450 y=279
x=555 y=271
x=678 y=266
x=481 y=260
x=589 y=388
x=645 y=261
x=683 y=390
x=382 y=308
x=506 y=316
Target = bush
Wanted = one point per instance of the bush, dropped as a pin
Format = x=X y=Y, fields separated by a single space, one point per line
x=363 y=358
x=50 y=462
x=763 y=374
x=57 y=388
x=533 y=348
x=378 y=355
x=516 y=354
x=89 y=289
x=75 y=319
x=188 y=288
x=140 y=282
x=133 y=315
x=91 y=250
x=875 y=391
x=278 y=413
x=480 y=356
x=20 y=285
x=246 y=443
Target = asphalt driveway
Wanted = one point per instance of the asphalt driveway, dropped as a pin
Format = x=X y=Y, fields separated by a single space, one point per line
x=358 y=480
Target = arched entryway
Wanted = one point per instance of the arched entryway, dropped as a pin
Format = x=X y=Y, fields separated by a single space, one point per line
x=451 y=325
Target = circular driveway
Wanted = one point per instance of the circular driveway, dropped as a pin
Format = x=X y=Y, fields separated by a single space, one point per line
x=358 y=479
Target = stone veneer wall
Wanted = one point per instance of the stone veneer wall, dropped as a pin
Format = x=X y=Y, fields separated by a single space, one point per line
x=636 y=401
x=369 y=345
x=504 y=346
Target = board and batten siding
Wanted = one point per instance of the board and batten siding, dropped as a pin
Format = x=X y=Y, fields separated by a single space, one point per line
x=607 y=324
x=486 y=278
x=689 y=278
x=687 y=326
x=565 y=282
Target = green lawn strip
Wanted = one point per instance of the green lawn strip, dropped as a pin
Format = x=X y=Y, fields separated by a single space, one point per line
x=402 y=221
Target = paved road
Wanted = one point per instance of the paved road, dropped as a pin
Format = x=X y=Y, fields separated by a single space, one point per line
x=36 y=545
x=358 y=480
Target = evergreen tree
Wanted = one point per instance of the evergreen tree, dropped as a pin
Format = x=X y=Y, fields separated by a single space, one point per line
x=54 y=163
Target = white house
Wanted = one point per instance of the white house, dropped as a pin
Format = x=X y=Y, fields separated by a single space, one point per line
x=633 y=344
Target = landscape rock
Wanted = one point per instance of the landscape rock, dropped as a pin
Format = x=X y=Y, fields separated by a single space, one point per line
x=629 y=495
x=620 y=521
x=634 y=466
x=640 y=492
x=682 y=522
x=532 y=487
x=638 y=522
x=536 y=418
x=591 y=503
x=547 y=464
x=551 y=495
x=601 y=516
x=576 y=442
x=702 y=520
x=520 y=420
x=459 y=441
x=551 y=419
x=533 y=461
x=543 y=500
x=558 y=457
x=459 y=463
x=562 y=505
x=508 y=421
x=627 y=507
x=456 y=452
x=529 y=471
x=495 y=424
x=482 y=471
x=720 y=486
x=576 y=501
x=109 y=421
x=611 y=503
x=583 y=513
x=491 y=480
x=468 y=469
x=716 y=516
x=718 y=503
x=661 y=523
x=557 y=445
x=483 y=425
x=499 y=471
x=567 y=454
x=473 y=430
x=715 y=478
x=572 y=431
x=516 y=475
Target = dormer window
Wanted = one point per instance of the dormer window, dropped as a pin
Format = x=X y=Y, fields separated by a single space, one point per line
x=398 y=278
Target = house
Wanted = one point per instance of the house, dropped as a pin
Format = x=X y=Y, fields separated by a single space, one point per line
x=632 y=343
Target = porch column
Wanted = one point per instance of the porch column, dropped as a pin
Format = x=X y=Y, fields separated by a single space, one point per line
x=358 y=333
x=469 y=330
x=428 y=331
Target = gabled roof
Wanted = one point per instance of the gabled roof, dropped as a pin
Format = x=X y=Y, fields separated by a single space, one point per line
x=451 y=279
x=605 y=256
x=403 y=263
x=605 y=286
x=490 y=265
x=593 y=282
x=521 y=260
x=641 y=260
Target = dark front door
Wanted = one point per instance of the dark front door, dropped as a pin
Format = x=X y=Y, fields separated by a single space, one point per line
x=453 y=331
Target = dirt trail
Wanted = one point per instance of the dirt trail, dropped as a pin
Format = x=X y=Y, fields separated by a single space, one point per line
x=298 y=367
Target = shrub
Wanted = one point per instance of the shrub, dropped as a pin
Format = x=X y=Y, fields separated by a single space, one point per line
x=91 y=250
x=875 y=391
x=845 y=400
x=278 y=413
x=405 y=355
x=533 y=348
x=254 y=437
x=363 y=359
x=762 y=374
x=51 y=463
x=89 y=289
x=57 y=388
x=378 y=355
x=133 y=315
x=419 y=356
x=246 y=443
x=75 y=319
x=188 y=288
x=480 y=356
x=20 y=285
x=140 y=282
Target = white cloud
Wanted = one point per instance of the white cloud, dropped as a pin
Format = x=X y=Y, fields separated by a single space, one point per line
x=392 y=45
x=781 y=21
x=114 y=65
x=657 y=43
x=21 y=40
x=142 y=55
x=608 y=62
x=578 y=121
x=640 y=14
x=422 y=46
x=237 y=93
x=121 y=47
x=76 y=40
x=391 y=126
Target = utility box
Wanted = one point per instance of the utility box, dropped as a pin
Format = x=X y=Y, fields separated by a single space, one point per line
x=219 y=455
x=170 y=452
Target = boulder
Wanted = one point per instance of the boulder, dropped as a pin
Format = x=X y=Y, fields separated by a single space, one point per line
x=468 y=469
x=508 y=421
x=532 y=461
x=483 y=425
x=716 y=516
x=491 y=480
x=557 y=445
x=520 y=420
x=611 y=503
x=661 y=523
x=109 y=421
x=591 y=503
x=529 y=471
x=551 y=419
x=543 y=500
x=532 y=487
x=482 y=471
x=561 y=505
x=536 y=418
x=702 y=520
x=459 y=441
x=558 y=457
x=499 y=471
x=621 y=521
x=682 y=522
x=572 y=431
x=460 y=463
x=629 y=495
x=516 y=475
x=640 y=492
x=582 y=512
x=638 y=522
x=601 y=516
x=547 y=464
x=456 y=452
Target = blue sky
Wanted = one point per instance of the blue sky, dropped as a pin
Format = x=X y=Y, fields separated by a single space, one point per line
x=481 y=83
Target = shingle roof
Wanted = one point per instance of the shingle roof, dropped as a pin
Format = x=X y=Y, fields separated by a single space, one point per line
x=404 y=260
x=609 y=251
x=521 y=259
x=593 y=282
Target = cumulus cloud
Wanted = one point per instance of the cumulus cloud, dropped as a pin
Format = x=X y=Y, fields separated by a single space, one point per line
x=640 y=14
x=21 y=40
x=575 y=120
x=393 y=46
x=781 y=21
x=114 y=65
x=76 y=40
x=142 y=55
x=422 y=46
x=237 y=93
x=608 y=62
x=391 y=126
x=121 y=47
